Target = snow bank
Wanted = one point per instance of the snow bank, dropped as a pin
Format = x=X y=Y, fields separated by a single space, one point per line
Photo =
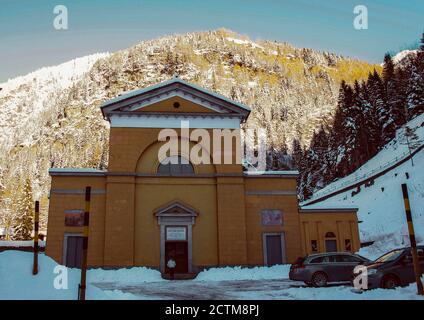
x=29 y=243
x=125 y=275
x=19 y=283
x=239 y=273
x=345 y=293
x=381 y=209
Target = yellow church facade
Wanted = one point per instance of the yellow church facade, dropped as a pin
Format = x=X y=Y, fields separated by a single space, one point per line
x=145 y=209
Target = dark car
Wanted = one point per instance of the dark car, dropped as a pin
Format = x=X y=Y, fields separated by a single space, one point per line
x=322 y=268
x=393 y=269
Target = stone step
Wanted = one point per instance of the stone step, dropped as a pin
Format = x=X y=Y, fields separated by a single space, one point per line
x=180 y=276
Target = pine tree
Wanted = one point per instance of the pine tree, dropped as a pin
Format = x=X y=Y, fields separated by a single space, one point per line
x=297 y=153
x=415 y=89
x=317 y=159
x=337 y=132
x=360 y=151
x=343 y=134
x=23 y=224
x=375 y=115
x=7 y=216
x=389 y=82
x=399 y=98
x=422 y=42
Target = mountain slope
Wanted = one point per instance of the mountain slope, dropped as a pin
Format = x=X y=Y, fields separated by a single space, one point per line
x=23 y=98
x=53 y=120
x=381 y=207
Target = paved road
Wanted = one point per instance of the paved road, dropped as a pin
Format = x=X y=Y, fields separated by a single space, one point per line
x=208 y=290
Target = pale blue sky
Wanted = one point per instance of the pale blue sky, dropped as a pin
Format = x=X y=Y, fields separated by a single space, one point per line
x=28 y=40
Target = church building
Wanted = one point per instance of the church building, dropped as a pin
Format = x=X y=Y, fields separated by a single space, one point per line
x=146 y=209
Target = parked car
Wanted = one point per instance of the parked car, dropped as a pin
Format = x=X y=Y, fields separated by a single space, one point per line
x=393 y=269
x=323 y=268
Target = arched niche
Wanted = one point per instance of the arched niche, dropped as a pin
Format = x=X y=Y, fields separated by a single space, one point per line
x=148 y=161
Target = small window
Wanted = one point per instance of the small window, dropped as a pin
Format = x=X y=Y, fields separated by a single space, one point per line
x=314 y=246
x=328 y=259
x=408 y=258
x=420 y=253
x=330 y=235
x=175 y=165
x=348 y=245
x=318 y=260
x=346 y=258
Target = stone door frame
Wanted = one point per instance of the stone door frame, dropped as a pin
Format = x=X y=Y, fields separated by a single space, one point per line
x=173 y=215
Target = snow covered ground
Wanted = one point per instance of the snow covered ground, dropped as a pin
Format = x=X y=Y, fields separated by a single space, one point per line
x=28 y=243
x=17 y=282
x=381 y=207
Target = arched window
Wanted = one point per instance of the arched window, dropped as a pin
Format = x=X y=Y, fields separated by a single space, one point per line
x=175 y=165
x=330 y=235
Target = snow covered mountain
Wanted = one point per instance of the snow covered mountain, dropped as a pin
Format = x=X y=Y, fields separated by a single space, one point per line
x=25 y=97
x=401 y=57
x=380 y=203
x=51 y=117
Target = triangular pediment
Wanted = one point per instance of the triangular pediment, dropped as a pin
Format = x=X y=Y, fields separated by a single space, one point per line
x=176 y=208
x=174 y=96
x=178 y=104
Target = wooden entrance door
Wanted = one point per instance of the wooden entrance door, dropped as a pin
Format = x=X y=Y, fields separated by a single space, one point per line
x=73 y=251
x=178 y=250
x=274 y=249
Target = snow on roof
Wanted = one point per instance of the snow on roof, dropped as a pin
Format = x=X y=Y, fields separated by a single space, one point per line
x=22 y=243
x=175 y=79
x=270 y=173
x=75 y=170
x=329 y=207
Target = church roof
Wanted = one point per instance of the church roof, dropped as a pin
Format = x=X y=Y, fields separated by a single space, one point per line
x=130 y=97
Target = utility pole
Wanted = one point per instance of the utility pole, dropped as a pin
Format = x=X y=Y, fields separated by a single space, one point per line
x=36 y=221
x=415 y=261
x=82 y=286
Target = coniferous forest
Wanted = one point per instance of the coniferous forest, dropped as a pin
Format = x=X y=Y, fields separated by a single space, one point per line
x=367 y=116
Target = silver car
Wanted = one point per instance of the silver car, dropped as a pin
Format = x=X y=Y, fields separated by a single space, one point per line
x=393 y=269
x=320 y=269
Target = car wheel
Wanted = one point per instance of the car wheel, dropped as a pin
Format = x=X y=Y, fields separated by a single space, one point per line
x=390 y=282
x=319 y=279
